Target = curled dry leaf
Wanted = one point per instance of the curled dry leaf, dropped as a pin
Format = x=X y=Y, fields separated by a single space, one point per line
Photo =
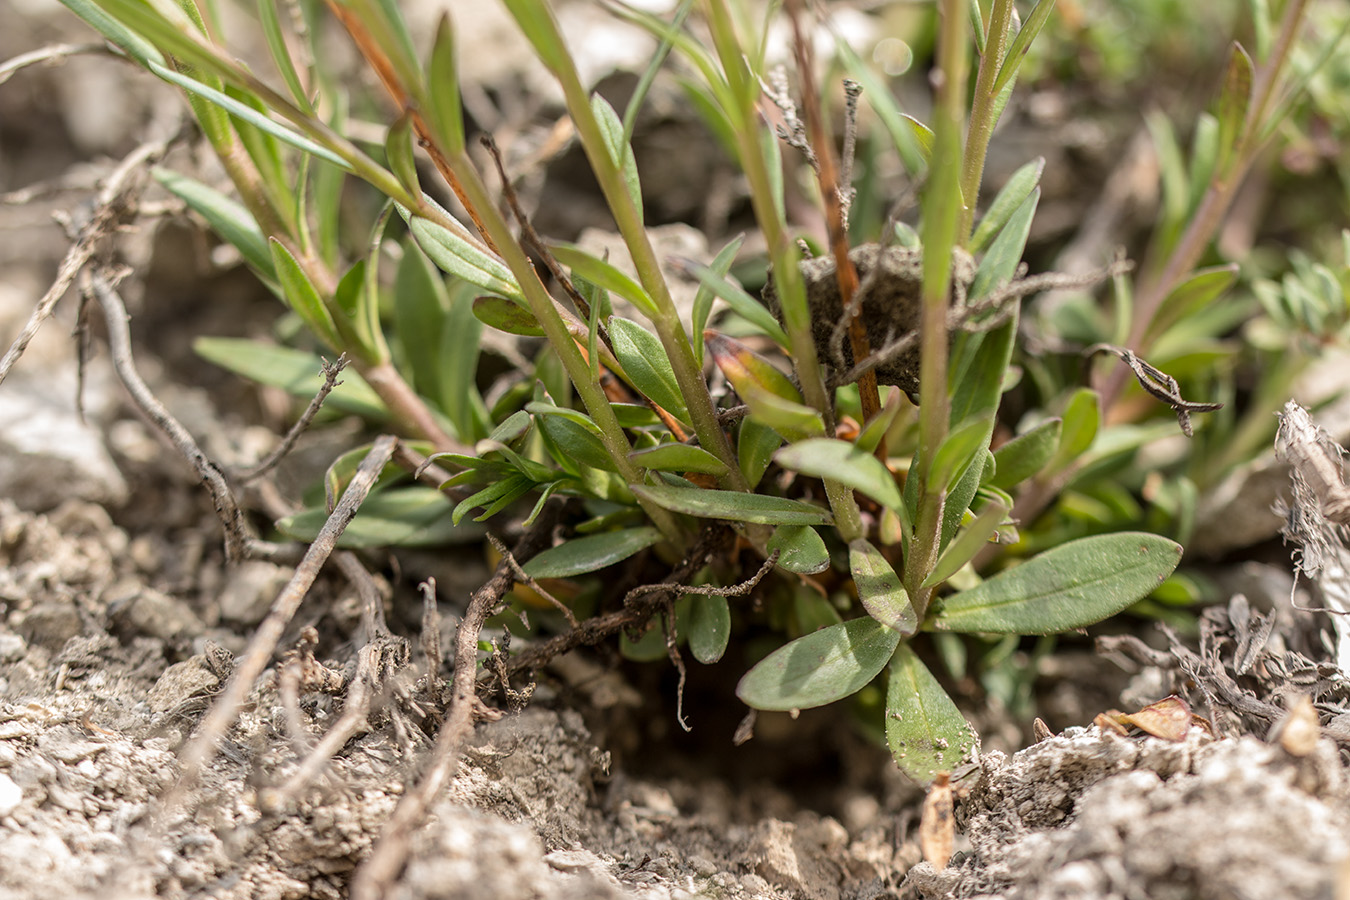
x=1170 y=719
x=937 y=828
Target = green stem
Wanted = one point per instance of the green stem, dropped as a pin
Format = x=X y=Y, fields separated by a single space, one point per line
x=942 y=216
x=541 y=304
x=983 y=113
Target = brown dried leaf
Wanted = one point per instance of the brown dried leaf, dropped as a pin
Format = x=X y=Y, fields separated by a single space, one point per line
x=1169 y=719
x=1299 y=730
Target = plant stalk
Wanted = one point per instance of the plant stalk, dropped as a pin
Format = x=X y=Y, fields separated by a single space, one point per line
x=983 y=113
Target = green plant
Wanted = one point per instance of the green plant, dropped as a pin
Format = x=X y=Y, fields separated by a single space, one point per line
x=651 y=474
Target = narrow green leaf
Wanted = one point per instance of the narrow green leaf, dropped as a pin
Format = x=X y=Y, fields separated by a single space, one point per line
x=136 y=47
x=420 y=304
x=620 y=151
x=733 y=505
x=1082 y=418
x=1198 y=291
x=605 y=275
x=962 y=494
x=1013 y=194
x=341 y=471
x=924 y=729
x=506 y=315
x=414 y=516
x=1234 y=102
x=718 y=284
x=398 y=149
x=447 y=118
x=800 y=549
x=1012 y=61
x=1005 y=251
x=644 y=361
x=459 y=255
x=227 y=218
x=923 y=136
x=250 y=115
x=1071 y=586
x=1025 y=455
x=461 y=344
x=705 y=295
x=956 y=452
x=772 y=398
x=678 y=458
x=302 y=296
x=968 y=541
x=295 y=371
x=281 y=54
x=870 y=436
x=845 y=463
x=822 y=667
x=591 y=553
x=879 y=588
x=709 y=626
x=493 y=498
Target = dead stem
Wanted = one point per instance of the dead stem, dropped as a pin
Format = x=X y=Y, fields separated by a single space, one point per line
x=254 y=660
x=330 y=374
x=373 y=878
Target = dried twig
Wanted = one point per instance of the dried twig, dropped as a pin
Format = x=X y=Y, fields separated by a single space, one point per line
x=240 y=542
x=1159 y=384
x=254 y=659
x=530 y=582
x=382 y=866
x=51 y=55
x=269 y=462
x=114 y=207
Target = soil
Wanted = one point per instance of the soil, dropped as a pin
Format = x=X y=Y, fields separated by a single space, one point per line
x=120 y=622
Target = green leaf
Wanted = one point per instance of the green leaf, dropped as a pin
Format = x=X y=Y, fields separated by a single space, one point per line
x=447 y=118
x=1009 y=200
x=800 y=549
x=295 y=371
x=870 y=436
x=248 y=114
x=1025 y=455
x=227 y=218
x=733 y=505
x=678 y=458
x=458 y=254
x=968 y=542
x=1082 y=418
x=281 y=54
x=772 y=398
x=845 y=463
x=644 y=361
x=716 y=283
x=414 y=516
x=1072 y=586
x=1234 y=103
x=1012 y=60
x=506 y=315
x=1198 y=291
x=302 y=295
x=420 y=303
x=705 y=295
x=879 y=588
x=592 y=553
x=755 y=445
x=999 y=265
x=605 y=275
x=575 y=444
x=709 y=626
x=924 y=729
x=620 y=151
x=493 y=498
x=398 y=148
x=962 y=494
x=821 y=667
x=343 y=469
x=137 y=47
x=957 y=451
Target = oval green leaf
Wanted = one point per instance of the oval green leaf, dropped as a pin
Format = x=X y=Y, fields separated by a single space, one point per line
x=506 y=315
x=822 y=667
x=591 y=553
x=800 y=549
x=1071 y=586
x=842 y=462
x=733 y=505
x=644 y=360
x=926 y=732
x=879 y=588
x=1025 y=455
x=709 y=626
